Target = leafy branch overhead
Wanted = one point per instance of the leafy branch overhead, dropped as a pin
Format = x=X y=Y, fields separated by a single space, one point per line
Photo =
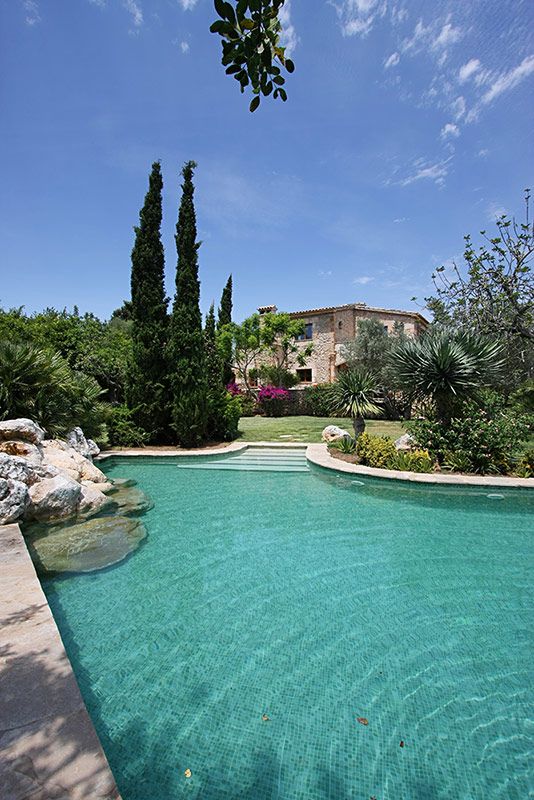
x=251 y=49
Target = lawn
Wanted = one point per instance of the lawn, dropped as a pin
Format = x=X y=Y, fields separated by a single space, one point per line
x=306 y=429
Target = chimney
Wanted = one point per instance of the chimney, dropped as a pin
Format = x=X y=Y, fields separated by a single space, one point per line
x=267 y=310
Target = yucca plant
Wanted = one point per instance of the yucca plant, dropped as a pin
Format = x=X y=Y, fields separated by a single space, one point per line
x=446 y=368
x=355 y=394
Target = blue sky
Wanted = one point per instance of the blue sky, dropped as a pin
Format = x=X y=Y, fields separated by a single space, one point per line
x=408 y=124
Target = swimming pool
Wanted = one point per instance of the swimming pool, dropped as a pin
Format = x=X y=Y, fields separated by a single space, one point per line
x=312 y=599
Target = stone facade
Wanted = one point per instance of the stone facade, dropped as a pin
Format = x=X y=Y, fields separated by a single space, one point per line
x=330 y=328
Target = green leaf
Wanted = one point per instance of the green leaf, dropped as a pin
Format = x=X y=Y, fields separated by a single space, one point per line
x=254 y=103
x=289 y=65
x=218 y=26
x=283 y=94
x=219 y=7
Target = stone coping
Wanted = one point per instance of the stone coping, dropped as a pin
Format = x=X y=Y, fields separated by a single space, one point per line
x=318 y=454
x=48 y=745
x=233 y=447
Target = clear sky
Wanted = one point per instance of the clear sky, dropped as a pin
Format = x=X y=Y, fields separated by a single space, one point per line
x=409 y=123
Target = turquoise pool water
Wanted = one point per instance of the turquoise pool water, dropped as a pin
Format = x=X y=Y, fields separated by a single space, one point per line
x=315 y=600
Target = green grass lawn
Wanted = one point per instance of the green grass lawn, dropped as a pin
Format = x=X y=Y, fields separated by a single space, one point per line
x=306 y=429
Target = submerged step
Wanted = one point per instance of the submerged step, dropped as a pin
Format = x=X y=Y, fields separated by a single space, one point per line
x=256 y=460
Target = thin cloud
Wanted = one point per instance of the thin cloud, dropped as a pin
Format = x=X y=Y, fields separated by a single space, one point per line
x=508 y=80
x=363 y=280
x=423 y=171
x=449 y=131
x=184 y=47
x=458 y=108
x=33 y=16
x=135 y=11
x=468 y=70
x=392 y=61
x=289 y=38
x=188 y=5
x=357 y=17
x=447 y=36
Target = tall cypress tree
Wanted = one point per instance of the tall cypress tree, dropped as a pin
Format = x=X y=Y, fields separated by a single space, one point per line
x=218 y=419
x=225 y=317
x=225 y=309
x=186 y=345
x=147 y=393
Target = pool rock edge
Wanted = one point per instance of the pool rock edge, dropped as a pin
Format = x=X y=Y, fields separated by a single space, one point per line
x=48 y=741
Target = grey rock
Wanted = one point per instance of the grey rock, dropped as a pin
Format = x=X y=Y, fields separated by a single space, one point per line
x=84 y=546
x=93 y=501
x=332 y=433
x=14 y=499
x=24 y=429
x=85 y=447
x=130 y=499
x=31 y=452
x=53 y=498
x=405 y=442
x=17 y=469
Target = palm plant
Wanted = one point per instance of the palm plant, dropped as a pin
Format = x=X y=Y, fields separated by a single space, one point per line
x=355 y=395
x=39 y=384
x=446 y=368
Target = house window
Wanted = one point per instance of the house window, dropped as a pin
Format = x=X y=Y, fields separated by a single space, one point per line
x=308 y=332
x=304 y=375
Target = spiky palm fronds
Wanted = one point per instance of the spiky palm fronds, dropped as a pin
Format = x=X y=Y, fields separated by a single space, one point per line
x=355 y=395
x=447 y=368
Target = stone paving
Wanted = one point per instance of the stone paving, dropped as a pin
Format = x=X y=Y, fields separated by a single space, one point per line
x=48 y=745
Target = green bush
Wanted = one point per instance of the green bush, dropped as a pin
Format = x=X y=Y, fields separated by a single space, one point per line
x=248 y=405
x=375 y=451
x=318 y=400
x=413 y=461
x=122 y=430
x=232 y=413
x=480 y=440
x=345 y=445
x=525 y=466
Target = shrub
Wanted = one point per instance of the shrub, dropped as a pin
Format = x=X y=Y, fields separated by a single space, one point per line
x=231 y=414
x=345 y=445
x=272 y=375
x=525 y=466
x=375 y=451
x=413 y=461
x=122 y=430
x=479 y=440
x=318 y=400
x=272 y=400
x=248 y=405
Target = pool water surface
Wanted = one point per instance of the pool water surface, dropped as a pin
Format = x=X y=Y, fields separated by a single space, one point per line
x=311 y=599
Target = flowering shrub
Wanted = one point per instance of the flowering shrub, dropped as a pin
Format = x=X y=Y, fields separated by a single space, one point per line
x=480 y=441
x=272 y=400
x=233 y=389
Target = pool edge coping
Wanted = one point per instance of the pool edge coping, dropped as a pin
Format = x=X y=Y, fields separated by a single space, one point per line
x=45 y=704
x=233 y=447
x=318 y=454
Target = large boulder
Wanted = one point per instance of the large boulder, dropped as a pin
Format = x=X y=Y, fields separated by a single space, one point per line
x=88 y=472
x=24 y=429
x=93 y=501
x=14 y=499
x=85 y=447
x=332 y=433
x=18 y=469
x=405 y=442
x=53 y=498
x=60 y=458
x=31 y=452
x=84 y=546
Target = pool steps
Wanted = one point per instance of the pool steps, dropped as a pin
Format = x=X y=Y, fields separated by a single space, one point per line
x=255 y=459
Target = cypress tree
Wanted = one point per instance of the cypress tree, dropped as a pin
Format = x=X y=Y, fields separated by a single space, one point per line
x=225 y=317
x=225 y=309
x=217 y=396
x=186 y=345
x=147 y=393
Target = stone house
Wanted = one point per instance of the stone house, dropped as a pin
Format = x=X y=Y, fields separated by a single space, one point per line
x=328 y=329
